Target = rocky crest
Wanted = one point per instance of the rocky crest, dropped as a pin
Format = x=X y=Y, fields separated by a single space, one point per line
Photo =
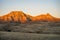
x=19 y=16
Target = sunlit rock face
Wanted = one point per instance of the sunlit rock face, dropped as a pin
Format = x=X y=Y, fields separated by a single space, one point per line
x=16 y=16
x=20 y=16
x=47 y=17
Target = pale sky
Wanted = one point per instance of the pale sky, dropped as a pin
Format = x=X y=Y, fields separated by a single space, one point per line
x=32 y=7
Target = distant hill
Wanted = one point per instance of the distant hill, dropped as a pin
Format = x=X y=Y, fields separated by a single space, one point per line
x=20 y=16
x=47 y=17
x=14 y=16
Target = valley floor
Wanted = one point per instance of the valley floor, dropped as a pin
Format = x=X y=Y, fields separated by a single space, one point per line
x=30 y=31
x=27 y=36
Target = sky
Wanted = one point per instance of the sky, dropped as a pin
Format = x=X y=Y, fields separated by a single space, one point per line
x=32 y=7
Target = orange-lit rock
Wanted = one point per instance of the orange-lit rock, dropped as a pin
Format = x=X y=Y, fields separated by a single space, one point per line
x=47 y=17
x=19 y=16
x=14 y=16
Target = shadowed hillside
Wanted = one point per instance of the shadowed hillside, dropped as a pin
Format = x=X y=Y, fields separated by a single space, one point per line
x=37 y=27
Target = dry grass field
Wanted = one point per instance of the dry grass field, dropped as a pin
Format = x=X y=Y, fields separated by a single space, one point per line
x=30 y=31
x=27 y=36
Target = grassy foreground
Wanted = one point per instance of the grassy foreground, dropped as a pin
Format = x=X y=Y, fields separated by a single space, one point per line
x=27 y=36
